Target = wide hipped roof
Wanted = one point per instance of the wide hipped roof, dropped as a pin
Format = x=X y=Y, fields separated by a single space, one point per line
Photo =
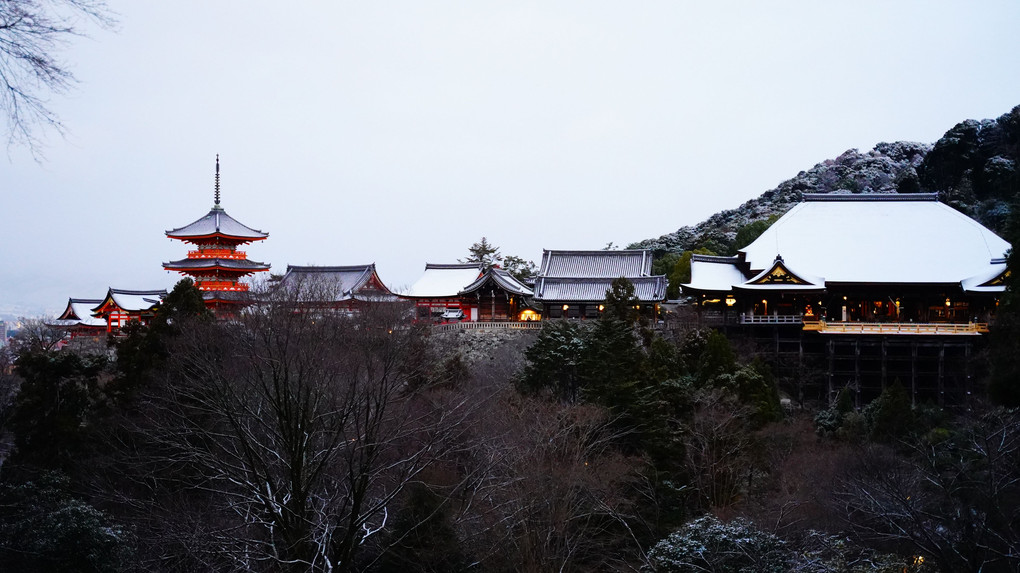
x=339 y=282
x=217 y=223
x=887 y=238
x=556 y=289
x=444 y=280
x=596 y=264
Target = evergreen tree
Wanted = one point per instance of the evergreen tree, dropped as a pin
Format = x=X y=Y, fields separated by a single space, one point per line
x=484 y=253
x=1005 y=331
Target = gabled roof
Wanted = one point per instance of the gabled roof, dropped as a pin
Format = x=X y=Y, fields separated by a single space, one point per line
x=878 y=238
x=225 y=264
x=342 y=282
x=129 y=300
x=502 y=279
x=79 y=312
x=564 y=289
x=780 y=277
x=444 y=280
x=596 y=264
x=217 y=224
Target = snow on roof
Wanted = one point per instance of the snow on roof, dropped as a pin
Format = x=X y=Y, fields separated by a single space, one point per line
x=229 y=264
x=987 y=281
x=131 y=300
x=596 y=264
x=887 y=238
x=79 y=311
x=714 y=273
x=442 y=280
x=217 y=222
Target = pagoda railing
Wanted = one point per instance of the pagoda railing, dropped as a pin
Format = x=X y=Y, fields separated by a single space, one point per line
x=217 y=254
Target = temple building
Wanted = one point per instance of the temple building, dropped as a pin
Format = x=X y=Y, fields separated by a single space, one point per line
x=436 y=294
x=573 y=284
x=215 y=264
x=121 y=306
x=874 y=287
x=498 y=296
x=334 y=287
x=840 y=263
x=470 y=292
x=78 y=321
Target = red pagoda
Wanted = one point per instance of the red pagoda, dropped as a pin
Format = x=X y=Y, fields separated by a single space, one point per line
x=215 y=264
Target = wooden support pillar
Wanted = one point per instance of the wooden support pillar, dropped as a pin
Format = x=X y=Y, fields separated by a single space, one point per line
x=857 y=371
x=885 y=356
x=913 y=372
x=830 y=348
x=942 y=373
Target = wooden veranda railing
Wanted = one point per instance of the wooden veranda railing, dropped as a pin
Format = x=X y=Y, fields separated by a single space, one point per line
x=468 y=325
x=896 y=327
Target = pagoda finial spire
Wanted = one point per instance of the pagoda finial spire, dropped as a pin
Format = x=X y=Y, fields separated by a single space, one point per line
x=216 y=203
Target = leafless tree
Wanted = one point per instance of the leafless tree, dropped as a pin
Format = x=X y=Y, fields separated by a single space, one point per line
x=718 y=442
x=31 y=32
x=957 y=499
x=555 y=493
x=280 y=440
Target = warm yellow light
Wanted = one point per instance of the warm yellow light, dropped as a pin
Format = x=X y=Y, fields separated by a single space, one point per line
x=730 y=301
x=948 y=303
x=602 y=307
x=763 y=301
x=566 y=306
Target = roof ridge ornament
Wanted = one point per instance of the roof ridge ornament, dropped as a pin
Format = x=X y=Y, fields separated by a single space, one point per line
x=216 y=186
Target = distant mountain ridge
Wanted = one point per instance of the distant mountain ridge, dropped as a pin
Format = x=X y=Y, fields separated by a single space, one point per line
x=973 y=167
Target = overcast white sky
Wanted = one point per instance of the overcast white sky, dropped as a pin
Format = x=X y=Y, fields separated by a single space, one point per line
x=401 y=132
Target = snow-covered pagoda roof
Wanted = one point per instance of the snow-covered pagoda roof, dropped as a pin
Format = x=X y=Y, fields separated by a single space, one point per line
x=129 y=300
x=217 y=223
x=596 y=264
x=567 y=289
x=444 y=280
x=338 y=283
x=502 y=279
x=861 y=239
x=79 y=313
x=225 y=264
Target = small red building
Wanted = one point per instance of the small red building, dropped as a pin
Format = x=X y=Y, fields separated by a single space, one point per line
x=121 y=306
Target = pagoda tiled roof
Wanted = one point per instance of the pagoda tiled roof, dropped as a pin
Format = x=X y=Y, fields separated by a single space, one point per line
x=226 y=264
x=217 y=223
x=501 y=278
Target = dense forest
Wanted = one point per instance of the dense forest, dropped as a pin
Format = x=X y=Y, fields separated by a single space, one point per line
x=314 y=441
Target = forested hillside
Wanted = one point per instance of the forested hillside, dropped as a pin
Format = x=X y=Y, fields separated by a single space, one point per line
x=973 y=167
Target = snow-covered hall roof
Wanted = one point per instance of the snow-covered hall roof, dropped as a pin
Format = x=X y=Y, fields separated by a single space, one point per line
x=886 y=238
x=79 y=312
x=444 y=280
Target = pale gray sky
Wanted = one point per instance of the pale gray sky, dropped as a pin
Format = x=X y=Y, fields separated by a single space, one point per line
x=401 y=132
